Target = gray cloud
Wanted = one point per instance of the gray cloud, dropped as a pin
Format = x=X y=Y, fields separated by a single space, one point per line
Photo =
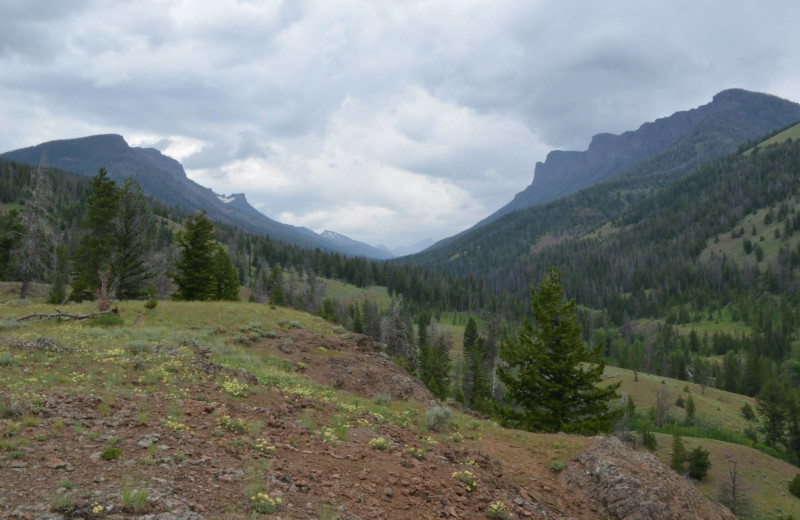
x=386 y=121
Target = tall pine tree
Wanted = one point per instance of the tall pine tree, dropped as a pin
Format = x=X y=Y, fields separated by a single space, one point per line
x=195 y=268
x=94 y=254
x=550 y=375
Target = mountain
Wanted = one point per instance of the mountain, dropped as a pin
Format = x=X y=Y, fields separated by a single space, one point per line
x=165 y=179
x=341 y=241
x=408 y=250
x=679 y=142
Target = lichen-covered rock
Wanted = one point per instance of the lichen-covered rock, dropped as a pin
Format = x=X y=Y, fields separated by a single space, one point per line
x=635 y=485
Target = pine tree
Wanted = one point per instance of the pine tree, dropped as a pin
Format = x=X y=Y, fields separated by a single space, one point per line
x=678 y=454
x=550 y=375
x=699 y=463
x=226 y=278
x=434 y=362
x=133 y=242
x=690 y=410
x=195 y=268
x=97 y=243
x=770 y=404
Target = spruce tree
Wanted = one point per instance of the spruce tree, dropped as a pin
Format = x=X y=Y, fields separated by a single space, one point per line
x=133 y=242
x=195 y=268
x=226 y=278
x=94 y=254
x=550 y=375
x=771 y=407
x=678 y=454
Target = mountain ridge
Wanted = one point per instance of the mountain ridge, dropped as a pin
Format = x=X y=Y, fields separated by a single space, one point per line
x=165 y=179
x=732 y=116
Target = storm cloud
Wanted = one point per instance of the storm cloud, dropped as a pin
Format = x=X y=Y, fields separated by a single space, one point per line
x=387 y=121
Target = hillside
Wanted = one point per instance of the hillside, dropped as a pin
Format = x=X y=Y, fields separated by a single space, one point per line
x=190 y=409
x=165 y=179
x=668 y=145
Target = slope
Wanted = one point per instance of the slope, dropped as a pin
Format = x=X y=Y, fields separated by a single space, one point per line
x=190 y=410
x=165 y=179
x=669 y=145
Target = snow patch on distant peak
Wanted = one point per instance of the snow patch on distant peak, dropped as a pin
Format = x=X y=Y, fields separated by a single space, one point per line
x=227 y=199
x=333 y=235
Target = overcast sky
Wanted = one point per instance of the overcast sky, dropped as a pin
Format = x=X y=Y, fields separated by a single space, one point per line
x=386 y=121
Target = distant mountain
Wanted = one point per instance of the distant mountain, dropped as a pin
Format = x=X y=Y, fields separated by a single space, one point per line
x=679 y=142
x=165 y=179
x=410 y=250
x=342 y=241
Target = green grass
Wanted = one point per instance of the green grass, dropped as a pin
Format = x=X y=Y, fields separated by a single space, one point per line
x=790 y=133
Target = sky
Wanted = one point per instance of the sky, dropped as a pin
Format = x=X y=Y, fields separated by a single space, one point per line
x=387 y=121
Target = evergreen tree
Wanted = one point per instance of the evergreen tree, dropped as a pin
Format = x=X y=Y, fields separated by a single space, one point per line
x=699 y=463
x=274 y=286
x=435 y=366
x=770 y=405
x=226 y=278
x=133 y=242
x=678 y=454
x=195 y=268
x=550 y=375
x=690 y=410
x=94 y=254
x=10 y=232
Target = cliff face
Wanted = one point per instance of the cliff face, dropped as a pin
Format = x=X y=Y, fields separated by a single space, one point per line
x=680 y=141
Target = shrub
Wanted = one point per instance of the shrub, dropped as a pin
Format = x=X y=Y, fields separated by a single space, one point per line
x=794 y=486
x=263 y=503
x=699 y=463
x=152 y=299
x=438 y=418
x=134 y=499
x=380 y=443
x=138 y=347
x=649 y=440
x=232 y=425
x=382 y=399
x=110 y=453
x=557 y=466
x=499 y=511
x=748 y=413
x=468 y=478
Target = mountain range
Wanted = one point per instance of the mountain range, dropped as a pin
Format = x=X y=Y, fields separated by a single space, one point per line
x=679 y=142
x=165 y=179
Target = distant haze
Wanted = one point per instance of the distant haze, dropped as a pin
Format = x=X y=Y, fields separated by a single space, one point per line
x=388 y=122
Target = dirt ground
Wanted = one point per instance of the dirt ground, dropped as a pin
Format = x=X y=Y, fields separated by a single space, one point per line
x=208 y=464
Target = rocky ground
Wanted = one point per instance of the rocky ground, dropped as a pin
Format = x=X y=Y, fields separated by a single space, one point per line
x=203 y=456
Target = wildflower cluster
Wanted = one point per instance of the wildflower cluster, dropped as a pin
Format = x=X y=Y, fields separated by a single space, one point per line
x=97 y=509
x=264 y=447
x=417 y=453
x=380 y=443
x=328 y=435
x=430 y=441
x=232 y=425
x=235 y=387
x=455 y=437
x=263 y=503
x=174 y=425
x=468 y=478
x=499 y=511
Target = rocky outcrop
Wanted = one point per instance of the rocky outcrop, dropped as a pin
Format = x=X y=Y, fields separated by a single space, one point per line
x=635 y=485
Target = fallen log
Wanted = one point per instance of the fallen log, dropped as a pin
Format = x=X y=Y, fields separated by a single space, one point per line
x=67 y=315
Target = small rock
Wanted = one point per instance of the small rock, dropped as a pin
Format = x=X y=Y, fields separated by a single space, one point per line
x=55 y=463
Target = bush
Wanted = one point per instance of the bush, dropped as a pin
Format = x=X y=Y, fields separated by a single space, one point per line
x=699 y=463
x=438 y=418
x=557 y=466
x=794 y=486
x=748 y=413
x=649 y=440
